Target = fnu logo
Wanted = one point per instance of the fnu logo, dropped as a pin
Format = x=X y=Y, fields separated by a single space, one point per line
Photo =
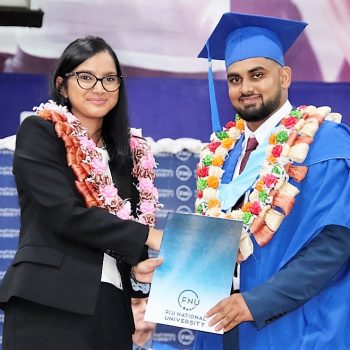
x=184 y=209
x=184 y=155
x=184 y=193
x=188 y=300
x=183 y=172
x=186 y=336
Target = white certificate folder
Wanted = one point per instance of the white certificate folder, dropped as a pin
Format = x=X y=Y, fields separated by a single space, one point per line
x=199 y=258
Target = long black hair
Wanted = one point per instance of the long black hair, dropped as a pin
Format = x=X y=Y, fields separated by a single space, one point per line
x=115 y=127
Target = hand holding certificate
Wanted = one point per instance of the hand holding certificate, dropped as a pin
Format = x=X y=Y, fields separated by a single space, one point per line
x=199 y=255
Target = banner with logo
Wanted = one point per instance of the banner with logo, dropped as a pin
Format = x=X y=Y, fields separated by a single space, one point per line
x=9 y=217
x=176 y=338
x=176 y=183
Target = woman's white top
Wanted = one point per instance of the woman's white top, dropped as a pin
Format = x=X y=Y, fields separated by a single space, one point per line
x=110 y=272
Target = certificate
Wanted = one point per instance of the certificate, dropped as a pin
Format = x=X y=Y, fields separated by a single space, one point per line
x=199 y=258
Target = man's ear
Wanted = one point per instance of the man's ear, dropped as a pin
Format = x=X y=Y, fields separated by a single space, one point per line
x=59 y=86
x=285 y=77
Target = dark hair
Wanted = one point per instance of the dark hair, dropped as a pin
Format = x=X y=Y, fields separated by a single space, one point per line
x=115 y=127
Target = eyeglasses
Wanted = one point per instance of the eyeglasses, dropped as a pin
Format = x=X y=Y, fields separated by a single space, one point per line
x=87 y=80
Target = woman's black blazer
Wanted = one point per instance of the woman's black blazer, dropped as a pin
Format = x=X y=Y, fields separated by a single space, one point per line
x=61 y=244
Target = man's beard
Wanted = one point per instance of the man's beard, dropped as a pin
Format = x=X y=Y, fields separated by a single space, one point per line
x=262 y=112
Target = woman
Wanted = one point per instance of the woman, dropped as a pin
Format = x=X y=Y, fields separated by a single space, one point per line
x=69 y=284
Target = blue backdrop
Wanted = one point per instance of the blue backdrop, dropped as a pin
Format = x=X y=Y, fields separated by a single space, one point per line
x=163 y=107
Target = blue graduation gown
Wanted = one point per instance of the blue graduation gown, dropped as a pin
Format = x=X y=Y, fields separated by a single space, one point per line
x=323 y=321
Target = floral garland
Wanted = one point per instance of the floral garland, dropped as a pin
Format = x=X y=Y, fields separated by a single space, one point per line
x=92 y=179
x=271 y=197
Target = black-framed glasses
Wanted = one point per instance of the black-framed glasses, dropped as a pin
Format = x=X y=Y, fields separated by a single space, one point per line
x=88 y=80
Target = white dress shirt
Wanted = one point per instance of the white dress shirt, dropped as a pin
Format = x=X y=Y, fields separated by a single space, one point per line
x=110 y=272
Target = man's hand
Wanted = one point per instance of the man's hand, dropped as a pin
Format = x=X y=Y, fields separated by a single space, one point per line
x=143 y=271
x=229 y=313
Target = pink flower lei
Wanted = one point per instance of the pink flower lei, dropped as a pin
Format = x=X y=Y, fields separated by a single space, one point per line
x=92 y=181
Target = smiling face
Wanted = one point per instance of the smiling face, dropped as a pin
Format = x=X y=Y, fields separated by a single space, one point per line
x=257 y=88
x=90 y=106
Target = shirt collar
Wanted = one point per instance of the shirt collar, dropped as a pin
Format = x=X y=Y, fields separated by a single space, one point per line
x=265 y=129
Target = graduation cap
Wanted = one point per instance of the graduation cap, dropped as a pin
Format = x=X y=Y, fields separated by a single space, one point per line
x=241 y=36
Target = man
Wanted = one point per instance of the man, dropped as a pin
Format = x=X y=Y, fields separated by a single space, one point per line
x=294 y=288
x=144 y=330
x=142 y=338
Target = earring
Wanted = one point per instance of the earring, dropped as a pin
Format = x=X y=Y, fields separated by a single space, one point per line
x=64 y=99
x=62 y=92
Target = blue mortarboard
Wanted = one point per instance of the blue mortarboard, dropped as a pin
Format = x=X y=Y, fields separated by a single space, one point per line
x=241 y=36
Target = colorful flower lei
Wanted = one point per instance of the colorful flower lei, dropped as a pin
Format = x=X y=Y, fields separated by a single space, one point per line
x=92 y=179
x=271 y=197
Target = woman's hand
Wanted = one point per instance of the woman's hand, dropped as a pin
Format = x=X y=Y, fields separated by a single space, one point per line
x=143 y=271
x=154 y=239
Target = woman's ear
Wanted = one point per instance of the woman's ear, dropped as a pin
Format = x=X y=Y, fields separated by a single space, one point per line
x=59 y=86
